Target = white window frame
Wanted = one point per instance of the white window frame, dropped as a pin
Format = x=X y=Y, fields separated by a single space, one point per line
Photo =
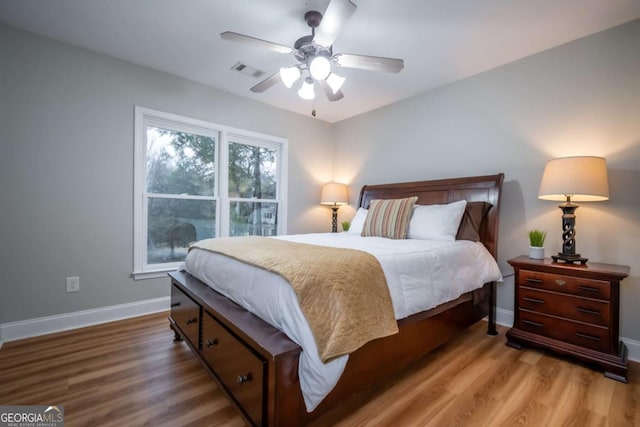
x=256 y=142
x=223 y=134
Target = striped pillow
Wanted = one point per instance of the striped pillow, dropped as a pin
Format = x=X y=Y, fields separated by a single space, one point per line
x=389 y=218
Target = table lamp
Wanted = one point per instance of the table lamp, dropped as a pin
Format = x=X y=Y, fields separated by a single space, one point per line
x=573 y=179
x=335 y=195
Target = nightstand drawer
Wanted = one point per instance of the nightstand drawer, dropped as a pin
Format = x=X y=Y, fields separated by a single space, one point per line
x=563 y=305
x=583 y=335
x=589 y=288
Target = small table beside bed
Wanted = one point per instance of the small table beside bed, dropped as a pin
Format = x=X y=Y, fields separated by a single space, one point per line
x=255 y=329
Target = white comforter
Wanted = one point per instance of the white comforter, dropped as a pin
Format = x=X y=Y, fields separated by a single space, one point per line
x=421 y=274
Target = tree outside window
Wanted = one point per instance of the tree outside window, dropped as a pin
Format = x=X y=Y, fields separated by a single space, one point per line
x=180 y=197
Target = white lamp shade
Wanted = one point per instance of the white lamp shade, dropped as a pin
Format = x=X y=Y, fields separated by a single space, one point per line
x=289 y=75
x=335 y=82
x=334 y=194
x=584 y=179
x=320 y=67
x=306 y=91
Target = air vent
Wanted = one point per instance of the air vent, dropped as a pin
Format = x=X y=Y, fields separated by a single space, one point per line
x=247 y=70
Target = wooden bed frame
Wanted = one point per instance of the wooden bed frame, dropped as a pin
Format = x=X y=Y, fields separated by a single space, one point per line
x=257 y=366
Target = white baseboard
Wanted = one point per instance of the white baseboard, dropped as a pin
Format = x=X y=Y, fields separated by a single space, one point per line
x=505 y=318
x=634 y=348
x=78 y=319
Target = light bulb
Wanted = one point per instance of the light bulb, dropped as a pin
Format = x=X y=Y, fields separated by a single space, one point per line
x=306 y=91
x=320 y=67
x=335 y=82
x=289 y=75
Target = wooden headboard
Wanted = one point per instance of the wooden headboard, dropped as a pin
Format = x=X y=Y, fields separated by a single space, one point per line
x=472 y=189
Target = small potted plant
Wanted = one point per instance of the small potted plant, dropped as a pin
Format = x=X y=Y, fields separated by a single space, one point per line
x=346 y=225
x=536 y=244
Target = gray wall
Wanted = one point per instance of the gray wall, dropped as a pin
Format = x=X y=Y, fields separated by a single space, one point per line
x=66 y=170
x=582 y=98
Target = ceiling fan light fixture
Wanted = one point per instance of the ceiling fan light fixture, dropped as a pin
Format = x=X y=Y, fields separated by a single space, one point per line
x=306 y=91
x=335 y=82
x=320 y=67
x=315 y=56
x=289 y=75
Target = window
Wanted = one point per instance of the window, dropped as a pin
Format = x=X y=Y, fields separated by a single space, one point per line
x=195 y=180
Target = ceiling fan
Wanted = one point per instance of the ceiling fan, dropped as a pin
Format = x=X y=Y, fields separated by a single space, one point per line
x=315 y=54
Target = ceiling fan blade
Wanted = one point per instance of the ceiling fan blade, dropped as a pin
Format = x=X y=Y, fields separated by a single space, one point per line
x=329 y=92
x=373 y=63
x=337 y=14
x=252 y=41
x=266 y=83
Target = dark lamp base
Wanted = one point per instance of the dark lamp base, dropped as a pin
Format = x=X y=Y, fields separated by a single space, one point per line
x=334 y=219
x=569 y=258
x=568 y=253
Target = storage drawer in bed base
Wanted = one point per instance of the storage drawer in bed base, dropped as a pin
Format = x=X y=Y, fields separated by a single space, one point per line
x=251 y=361
x=237 y=368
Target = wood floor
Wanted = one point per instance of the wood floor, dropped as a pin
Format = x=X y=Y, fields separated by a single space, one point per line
x=131 y=373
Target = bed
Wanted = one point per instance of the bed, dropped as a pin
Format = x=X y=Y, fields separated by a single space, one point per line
x=257 y=365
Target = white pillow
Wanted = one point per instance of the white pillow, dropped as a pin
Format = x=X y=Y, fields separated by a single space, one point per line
x=436 y=222
x=357 y=223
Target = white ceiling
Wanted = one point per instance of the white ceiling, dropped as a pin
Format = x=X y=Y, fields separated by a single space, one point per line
x=441 y=41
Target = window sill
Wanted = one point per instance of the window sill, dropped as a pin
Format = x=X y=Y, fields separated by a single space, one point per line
x=152 y=274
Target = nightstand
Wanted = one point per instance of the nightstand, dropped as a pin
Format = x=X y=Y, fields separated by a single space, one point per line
x=570 y=309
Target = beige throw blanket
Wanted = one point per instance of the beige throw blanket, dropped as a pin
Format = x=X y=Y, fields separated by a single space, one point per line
x=342 y=292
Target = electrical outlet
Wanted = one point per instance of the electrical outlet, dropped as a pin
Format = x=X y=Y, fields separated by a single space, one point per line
x=73 y=284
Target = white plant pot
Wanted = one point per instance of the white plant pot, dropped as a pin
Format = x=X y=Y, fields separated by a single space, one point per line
x=536 y=252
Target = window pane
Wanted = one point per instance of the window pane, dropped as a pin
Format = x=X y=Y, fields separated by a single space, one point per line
x=180 y=162
x=253 y=219
x=252 y=171
x=174 y=223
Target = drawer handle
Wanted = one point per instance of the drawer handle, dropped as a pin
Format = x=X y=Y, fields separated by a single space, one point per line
x=588 y=288
x=587 y=336
x=587 y=311
x=529 y=322
x=530 y=280
x=244 y=378
x=212 y=342
x=175 y=304
x=560 y=282
x=192 y=320
x=537 y=301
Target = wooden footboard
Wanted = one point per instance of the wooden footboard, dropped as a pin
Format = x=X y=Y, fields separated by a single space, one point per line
x=257 y=366
x=253 y=363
